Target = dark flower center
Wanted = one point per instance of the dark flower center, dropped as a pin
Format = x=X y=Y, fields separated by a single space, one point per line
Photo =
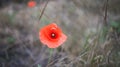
x=53 y=35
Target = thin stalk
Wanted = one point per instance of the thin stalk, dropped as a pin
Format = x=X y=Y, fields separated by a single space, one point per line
x=105 y=15
x=50 y=57
x=43 y=9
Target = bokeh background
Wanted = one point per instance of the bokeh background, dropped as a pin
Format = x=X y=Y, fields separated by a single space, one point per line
x=92 y=28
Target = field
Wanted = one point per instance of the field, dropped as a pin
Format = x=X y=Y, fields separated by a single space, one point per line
x=92 y=28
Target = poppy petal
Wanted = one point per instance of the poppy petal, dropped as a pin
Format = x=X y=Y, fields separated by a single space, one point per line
x=31 y=3
x=57 y=44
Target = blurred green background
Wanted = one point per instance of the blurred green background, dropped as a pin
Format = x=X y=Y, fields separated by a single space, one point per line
x=92 y=28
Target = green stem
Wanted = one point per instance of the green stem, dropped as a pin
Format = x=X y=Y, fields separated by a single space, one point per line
x=50 y=56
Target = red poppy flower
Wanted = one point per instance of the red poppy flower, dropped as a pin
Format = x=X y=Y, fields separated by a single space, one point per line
x=31 y=3
x=52 y=36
